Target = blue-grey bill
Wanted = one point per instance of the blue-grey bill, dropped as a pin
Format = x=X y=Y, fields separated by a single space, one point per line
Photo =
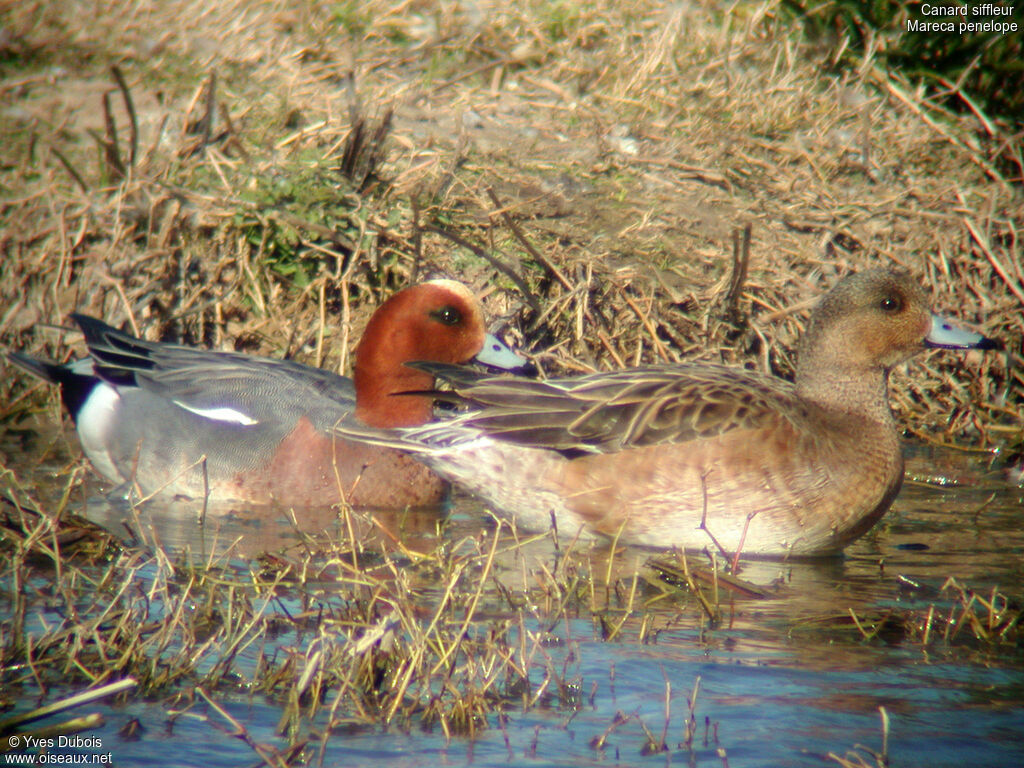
x=497 y=355
x=945 y=334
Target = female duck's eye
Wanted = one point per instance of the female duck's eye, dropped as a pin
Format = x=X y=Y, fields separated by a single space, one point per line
x=447 y=315
x=889 y=305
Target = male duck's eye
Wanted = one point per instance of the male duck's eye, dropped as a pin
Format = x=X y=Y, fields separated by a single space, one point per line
x=890 y=305
x=447 y=315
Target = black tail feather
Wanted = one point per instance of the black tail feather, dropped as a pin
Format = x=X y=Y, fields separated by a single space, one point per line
x=76 y=379
x=118 y=354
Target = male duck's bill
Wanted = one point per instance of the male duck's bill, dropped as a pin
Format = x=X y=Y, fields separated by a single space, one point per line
x=169 y=419
x=496 y=354
x=699 y=456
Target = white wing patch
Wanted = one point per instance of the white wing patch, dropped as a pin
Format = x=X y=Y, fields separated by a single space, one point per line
x=227 y=415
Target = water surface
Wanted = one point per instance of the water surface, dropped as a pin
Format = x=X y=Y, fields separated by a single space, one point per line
x=778 y=681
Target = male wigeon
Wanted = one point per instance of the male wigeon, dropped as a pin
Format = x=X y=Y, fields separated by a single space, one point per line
x=697 y=456
x=163 y=418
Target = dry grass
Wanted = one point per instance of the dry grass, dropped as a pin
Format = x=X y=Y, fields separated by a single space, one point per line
x=343 y=634
x=953 y=617
x=858 y=757
x=604 y=155
x=337 y=634
x=259 y=175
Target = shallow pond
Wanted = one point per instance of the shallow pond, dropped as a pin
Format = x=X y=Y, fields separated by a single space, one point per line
x=782 y=679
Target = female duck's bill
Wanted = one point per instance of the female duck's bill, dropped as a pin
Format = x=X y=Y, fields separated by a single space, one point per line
x=227 y=427
x=700 y=456
x=946 y=335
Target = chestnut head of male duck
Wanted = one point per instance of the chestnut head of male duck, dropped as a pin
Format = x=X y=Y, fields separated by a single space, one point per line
x=437 y=321
x=699 y=456
x=174 y=420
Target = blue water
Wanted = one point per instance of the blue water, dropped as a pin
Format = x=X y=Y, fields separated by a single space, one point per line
x=782 y=682
x=767 y=710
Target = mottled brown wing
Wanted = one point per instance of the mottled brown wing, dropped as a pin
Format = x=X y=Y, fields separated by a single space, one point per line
x=609 y=411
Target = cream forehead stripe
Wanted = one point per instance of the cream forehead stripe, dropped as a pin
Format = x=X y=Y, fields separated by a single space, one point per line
x=455 y=287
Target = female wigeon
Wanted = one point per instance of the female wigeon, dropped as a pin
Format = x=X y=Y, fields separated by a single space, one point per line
x=699 y=456
x=233 y=427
